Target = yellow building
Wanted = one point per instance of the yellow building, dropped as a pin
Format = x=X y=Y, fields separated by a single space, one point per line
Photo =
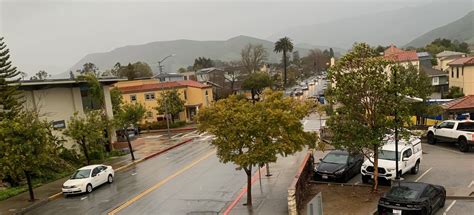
x=461 y=74
x=146 y=92
x=445 y=57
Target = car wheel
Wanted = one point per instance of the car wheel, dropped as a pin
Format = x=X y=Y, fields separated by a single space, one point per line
x=110 y=179
x=431 y=138
x=89 y=188
x=365 y=179
x=463 y=146
x=416 y=168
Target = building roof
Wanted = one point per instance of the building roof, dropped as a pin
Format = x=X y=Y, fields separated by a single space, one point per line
x=165 y=75
x=449 y=53
x=106 y=81
x=466 y=102
x=396 y=54
x=432 y=72
x=163 y=85
x=208 y=70
x=464 y=61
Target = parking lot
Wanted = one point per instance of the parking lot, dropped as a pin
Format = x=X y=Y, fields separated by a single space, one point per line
x=444 y=165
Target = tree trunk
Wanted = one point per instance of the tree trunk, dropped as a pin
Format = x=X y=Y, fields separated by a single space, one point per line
x=376 y=169
x=30 y=186
x=248 y=171
x=86 y=153
x=253 y=95
x=284 y=65
x=129 y=144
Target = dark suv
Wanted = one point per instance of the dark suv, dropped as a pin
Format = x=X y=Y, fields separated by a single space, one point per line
x=339 y=165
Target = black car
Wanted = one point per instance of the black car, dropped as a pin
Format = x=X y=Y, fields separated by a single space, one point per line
x=412 y=198
x=339 y=165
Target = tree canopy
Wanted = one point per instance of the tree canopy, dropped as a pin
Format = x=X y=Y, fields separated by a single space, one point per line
x=132 y=70
x=202 y=63
x=40 y=75
x=442 y=44
x=284 y=45
x=171 y=101
x=253 y=57
x=10 y=105
x=256 y=83
x=252 y=134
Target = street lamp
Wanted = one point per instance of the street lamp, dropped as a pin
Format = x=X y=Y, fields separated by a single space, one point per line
x=160 y=67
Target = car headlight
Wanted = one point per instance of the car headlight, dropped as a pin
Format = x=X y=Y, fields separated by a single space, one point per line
x=364 y=166
x=340 y=171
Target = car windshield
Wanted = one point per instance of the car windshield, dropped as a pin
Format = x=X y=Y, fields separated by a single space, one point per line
x=388 y=155
x=335 y=158
x=82 y=173
x=403 y=193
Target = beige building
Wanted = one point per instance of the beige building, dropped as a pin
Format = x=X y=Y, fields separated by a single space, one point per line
x=402 y=57
x=57 y=100
x=461 y=74
x=445 y=57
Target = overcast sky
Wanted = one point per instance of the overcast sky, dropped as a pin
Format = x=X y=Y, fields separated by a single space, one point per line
x=53 y=35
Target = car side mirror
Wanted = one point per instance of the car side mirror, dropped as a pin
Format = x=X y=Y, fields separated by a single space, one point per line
x=404 y=159
x=320 y=159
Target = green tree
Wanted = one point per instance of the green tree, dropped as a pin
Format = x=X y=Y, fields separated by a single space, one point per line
x=368 y=94
x=331 y=53
x=95 y=89
x=251 y=134
x=26 y=144
x=116 y=99
x=256 y=83
x=40 y=75
x=284 y=45
x=10 y=105
x=170 y=101
x=88 y=132
x=454 y=92
x=252 y=57
x=132 y=70
x=90 y=68
x=130 y=115
x=182 y=70
x=202 y=63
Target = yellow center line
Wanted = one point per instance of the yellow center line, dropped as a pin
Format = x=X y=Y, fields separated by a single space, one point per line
x=159 y=184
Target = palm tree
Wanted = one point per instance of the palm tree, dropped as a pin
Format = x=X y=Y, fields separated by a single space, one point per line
x=284 y=45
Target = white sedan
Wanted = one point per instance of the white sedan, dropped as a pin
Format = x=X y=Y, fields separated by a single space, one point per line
x=87 y=178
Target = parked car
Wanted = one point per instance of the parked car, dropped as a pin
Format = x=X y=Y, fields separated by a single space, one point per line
x=85 y=179
x=409 y=159
x=412 y=198
x=460 y=132
x=339 y=165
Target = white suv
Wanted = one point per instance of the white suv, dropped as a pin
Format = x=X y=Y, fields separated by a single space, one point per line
x=410 y=153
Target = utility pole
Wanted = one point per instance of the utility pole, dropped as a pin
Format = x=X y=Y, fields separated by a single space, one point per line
x=160 y=67
x=397 y=173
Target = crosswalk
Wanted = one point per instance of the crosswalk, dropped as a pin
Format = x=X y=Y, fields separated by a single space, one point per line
x=205 y=136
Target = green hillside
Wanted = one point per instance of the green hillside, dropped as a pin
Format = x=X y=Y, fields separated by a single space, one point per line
x=461 y=30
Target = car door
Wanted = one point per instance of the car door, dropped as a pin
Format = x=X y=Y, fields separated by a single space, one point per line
x=441 y=130
x=450 y=131
x=96 y=181
x=102 y=174
x=434 y=196
x=407 y=160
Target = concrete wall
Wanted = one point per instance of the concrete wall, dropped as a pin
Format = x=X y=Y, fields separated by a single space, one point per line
x=297 y=189
x=465 y=80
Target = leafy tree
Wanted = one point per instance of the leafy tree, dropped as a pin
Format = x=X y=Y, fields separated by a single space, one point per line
x=40 y=75
x=368 y=94
x=132 y=70
x=10 y=105
x=284 y=45
x=90 y=68
x=380 y=49
x=251 y=134
x=170 y=101
x=202 y=62
x=315 y=61
x=331 y=53
x=116 y=99
x=256 y=83
x=253 y=57
x=87 y=131
x=296 y=58
x=454 y=92
x=130 y=114
x=182 y=70
x=26 y=144
x=440 y=45
x=94 y=88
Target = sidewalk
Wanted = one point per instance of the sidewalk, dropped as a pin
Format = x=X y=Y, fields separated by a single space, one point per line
x=271 y=196
x=144 y=148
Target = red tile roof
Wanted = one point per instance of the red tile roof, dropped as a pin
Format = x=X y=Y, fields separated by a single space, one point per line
x=462 y=61
x=466 y=102
x=396 y=54
x=164 y=85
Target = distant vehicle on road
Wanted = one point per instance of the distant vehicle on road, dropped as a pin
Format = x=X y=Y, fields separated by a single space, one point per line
x=412 y=198
x=339 y=165
x=409 y=155
x=460 y=132
x=85 y=179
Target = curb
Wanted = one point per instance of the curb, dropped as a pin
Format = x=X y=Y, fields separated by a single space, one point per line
x=171 y=130
x=57 y=195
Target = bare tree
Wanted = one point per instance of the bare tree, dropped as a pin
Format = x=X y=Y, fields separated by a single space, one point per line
x=253 y=57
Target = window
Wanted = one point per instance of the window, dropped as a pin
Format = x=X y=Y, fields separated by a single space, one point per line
x=133 y=98
x=149 y=96
x=466 y=126
x=452 y=72
x=95 y=171
x=207 y=93
x=185 y=95
x=435 y=81
x=407 y=153
x=457 y=72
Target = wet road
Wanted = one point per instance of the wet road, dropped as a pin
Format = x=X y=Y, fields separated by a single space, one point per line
x=187 y=179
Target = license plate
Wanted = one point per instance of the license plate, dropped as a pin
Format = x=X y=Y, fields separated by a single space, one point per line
x=324 y=176
x=397 y=212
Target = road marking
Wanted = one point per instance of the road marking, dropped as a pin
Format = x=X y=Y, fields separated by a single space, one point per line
x=176 y=135
x=134 y=173
x=85 y=197
x=421 y=176
x=470 y=185
x=305 y=121
x=443 y=149
x=190 y=133
x=357 y=183
x=205 y=138
x=159 y=184
x=156 y=136
x=449 y=207
x=202 y=134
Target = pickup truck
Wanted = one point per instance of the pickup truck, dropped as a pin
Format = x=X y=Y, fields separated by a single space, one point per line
x=460 y=132
x=409 y=155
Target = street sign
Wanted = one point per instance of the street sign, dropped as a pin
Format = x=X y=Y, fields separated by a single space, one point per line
x=315 y=206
